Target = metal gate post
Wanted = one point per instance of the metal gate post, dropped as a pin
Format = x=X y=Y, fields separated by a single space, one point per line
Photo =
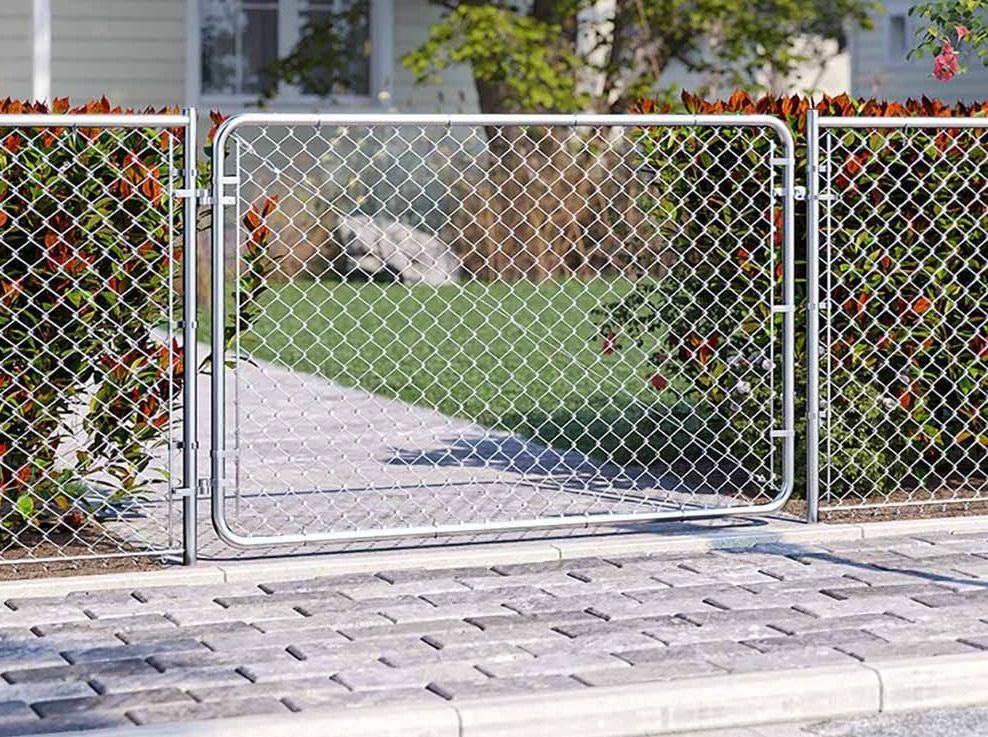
x=812 y=317
x=191 y=359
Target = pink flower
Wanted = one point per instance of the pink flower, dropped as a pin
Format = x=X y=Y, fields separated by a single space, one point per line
x=962 y=32
x=945 y=64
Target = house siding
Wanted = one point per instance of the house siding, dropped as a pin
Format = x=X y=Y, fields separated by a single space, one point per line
x=133 y=51
x=456 y=93
x=15 y=49
x=875 y=74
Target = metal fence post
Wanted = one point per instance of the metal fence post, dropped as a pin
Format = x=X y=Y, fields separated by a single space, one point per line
x=812 y=318
x=191 y=359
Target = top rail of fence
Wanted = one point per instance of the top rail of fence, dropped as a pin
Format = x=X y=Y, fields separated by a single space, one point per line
x=901 y=122
x=487 y=119
x=43 y=120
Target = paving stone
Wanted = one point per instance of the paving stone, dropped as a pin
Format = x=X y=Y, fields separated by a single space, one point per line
x=913 y=590
x=712 y=651
x=487 y=596
x=921 y=648
x=606 y=643
x=834 y=638
x=552 y=619
x=951 y=599
x=454 y=690
x=208 y=614
x=345 y=698
x=694 y=635
x=768 y=616
x=281 y=639
x=33 y=692
x=15 y=710
x=419 y=574
x=783 y=660
x=380 y=588
x=169 y=595
x=320 y=583
x=210 y=710
x=371 y=649
x=322 y=601
x=42 y=615
x=898 y=605
x=668 y=671
x=278 y=689
x=629 y=609
x=428 y=613
x=111 y=702
x=804 y=625
x=741 y=600
x=979 y=641
x=327 y=665
x=172 y=631
x=35 y=652
x=515 y=635
x=389 y=630
x=965 y=628
x=597 y=626
x=203 y=658
x=72 y=723
x=527 y=580
x=331 y=620
x=491 y=652
x=796 y=585
x=549 y=665
x=184 y=678
x=129 y=652
x=79 y=672
x=67 y=631
x=377 y=676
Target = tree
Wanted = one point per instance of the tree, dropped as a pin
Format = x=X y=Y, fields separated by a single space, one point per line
x=957 y=28
x=552 y=56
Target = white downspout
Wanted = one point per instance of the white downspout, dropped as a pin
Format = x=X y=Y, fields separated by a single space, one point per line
x=41 y=56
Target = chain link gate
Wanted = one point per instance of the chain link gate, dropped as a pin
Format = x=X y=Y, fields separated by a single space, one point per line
x=898 y=313
x=446 y=324
x=97 y=425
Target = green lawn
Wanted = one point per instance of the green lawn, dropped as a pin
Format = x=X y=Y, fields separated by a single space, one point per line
x=523 y=357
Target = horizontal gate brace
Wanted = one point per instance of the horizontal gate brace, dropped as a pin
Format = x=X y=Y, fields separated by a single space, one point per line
x=782 y=433
x=182 y=491
x=783 y=309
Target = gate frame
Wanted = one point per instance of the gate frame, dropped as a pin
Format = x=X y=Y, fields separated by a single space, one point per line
x=815 y=125
x=787 y=193
x=185 y=191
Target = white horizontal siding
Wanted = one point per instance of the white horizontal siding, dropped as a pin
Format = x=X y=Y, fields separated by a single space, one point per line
x=456 y=93
x=15 y=48
x=133 y=51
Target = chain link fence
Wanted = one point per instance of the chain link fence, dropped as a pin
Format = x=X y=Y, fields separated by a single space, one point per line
x=91 y=356
x=903 y=343
x=484 y=324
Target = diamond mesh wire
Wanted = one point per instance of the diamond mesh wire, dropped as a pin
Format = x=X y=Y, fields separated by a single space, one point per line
x=468 y=327
x=904 y=335
x=90 y=355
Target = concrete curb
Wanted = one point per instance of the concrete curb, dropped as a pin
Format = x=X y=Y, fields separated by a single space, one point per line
x=729 y=701
x=488 y=554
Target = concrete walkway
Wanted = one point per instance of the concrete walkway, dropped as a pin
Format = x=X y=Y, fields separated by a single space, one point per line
x=618 y=643
x=308 y=455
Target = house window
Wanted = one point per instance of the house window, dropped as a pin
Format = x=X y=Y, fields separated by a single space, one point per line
x=898 y=37
x=240 y=39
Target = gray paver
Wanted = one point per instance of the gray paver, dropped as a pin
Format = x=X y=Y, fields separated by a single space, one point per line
x=112 y=702
x=210 y=710
x=402 y=636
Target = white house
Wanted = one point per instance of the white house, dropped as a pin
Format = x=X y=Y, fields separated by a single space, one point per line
x=209 y=53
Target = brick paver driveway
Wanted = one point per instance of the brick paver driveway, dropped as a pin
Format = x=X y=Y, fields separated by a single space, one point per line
x=143 y=654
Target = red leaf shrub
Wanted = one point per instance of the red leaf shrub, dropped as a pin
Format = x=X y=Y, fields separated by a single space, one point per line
x=908 y=230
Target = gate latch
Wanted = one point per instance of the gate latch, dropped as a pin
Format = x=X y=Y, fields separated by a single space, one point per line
x=202 y=196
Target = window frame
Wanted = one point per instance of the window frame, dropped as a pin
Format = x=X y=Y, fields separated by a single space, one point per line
x=892 y=57
x=289 y=31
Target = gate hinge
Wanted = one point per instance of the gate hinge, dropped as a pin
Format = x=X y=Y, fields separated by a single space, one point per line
x=798 y=193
